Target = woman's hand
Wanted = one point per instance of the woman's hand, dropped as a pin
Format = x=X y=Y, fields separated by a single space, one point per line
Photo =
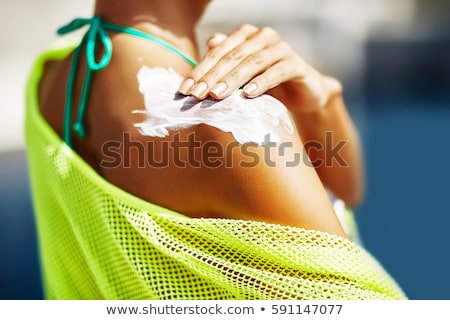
x=259 y=60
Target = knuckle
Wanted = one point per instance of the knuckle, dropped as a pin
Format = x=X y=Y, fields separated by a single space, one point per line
x=196 y=75
x=281 y=72
x=268 y=30
x=248 y=28
x=211 y=76
x=233 y=75
x=214 y=36
x=270 y=33
x=254 y=59
x=234 y=55
x=285 y=47
x=287 y=69
x=215 y=54
x=284 y=73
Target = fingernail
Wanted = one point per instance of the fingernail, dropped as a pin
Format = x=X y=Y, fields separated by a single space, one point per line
x=250 y=88
x=186 y=85
x=219 y=89
x=199 y=90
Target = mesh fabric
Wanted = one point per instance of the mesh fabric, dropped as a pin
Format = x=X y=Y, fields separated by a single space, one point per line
x=99 y=242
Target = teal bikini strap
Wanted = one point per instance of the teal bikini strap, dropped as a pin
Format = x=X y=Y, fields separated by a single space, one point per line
x=96 y=31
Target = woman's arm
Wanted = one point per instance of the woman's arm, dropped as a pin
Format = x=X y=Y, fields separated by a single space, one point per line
x=333 y=145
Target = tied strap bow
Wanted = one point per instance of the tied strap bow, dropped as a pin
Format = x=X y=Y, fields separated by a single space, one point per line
x=96 y=32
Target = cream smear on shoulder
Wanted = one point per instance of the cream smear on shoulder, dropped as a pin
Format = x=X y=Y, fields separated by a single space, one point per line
x=257 y=120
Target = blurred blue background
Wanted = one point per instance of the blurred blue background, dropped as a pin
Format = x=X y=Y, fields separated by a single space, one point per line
x=393 y=58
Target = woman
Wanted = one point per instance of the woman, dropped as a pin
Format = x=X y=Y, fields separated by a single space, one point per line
x=237 y=186
x=252 y=56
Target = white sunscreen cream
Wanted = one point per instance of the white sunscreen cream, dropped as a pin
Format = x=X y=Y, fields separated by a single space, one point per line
x=258 y=120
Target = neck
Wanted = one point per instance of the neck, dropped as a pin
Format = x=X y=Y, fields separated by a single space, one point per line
x=174 y=20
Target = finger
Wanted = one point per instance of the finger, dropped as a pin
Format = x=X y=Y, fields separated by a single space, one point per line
x=214 y=55
x=248 y=69
x=241 y=64
x=236 y=68
x=272 y=77
x=215 y=40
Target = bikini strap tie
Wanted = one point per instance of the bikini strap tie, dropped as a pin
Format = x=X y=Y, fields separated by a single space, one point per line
x=97 y=32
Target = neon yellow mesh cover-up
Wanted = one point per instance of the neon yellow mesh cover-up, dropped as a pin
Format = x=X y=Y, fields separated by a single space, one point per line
x=99 y=242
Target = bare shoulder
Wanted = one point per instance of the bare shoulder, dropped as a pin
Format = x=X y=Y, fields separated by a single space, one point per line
x=237 y=158
x=115 y=95
x=200 y=168
x=274 y=182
